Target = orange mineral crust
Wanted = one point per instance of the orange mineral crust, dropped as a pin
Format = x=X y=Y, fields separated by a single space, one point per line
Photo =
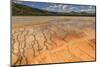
x=52 y=39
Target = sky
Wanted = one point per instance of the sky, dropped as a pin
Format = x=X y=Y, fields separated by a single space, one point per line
x=59 y=7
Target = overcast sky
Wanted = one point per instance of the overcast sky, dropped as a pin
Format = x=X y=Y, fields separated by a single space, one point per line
x=58 y=7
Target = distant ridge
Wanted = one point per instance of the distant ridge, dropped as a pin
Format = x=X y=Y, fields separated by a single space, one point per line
x=23 y=10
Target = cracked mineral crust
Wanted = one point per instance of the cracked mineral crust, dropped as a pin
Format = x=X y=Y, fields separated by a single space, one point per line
x=52 y=39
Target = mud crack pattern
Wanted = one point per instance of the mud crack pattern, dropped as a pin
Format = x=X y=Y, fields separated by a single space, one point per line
x=57 y=40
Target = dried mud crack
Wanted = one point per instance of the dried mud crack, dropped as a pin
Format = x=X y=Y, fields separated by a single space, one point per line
x=54 y=41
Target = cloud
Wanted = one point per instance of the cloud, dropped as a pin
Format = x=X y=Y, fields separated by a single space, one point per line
x=90 y=9
x=64 y=7
x=53 y=7
x=57 y=8
x=19 y=2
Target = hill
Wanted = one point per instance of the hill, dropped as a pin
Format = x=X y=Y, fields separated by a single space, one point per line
x=23 y=10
